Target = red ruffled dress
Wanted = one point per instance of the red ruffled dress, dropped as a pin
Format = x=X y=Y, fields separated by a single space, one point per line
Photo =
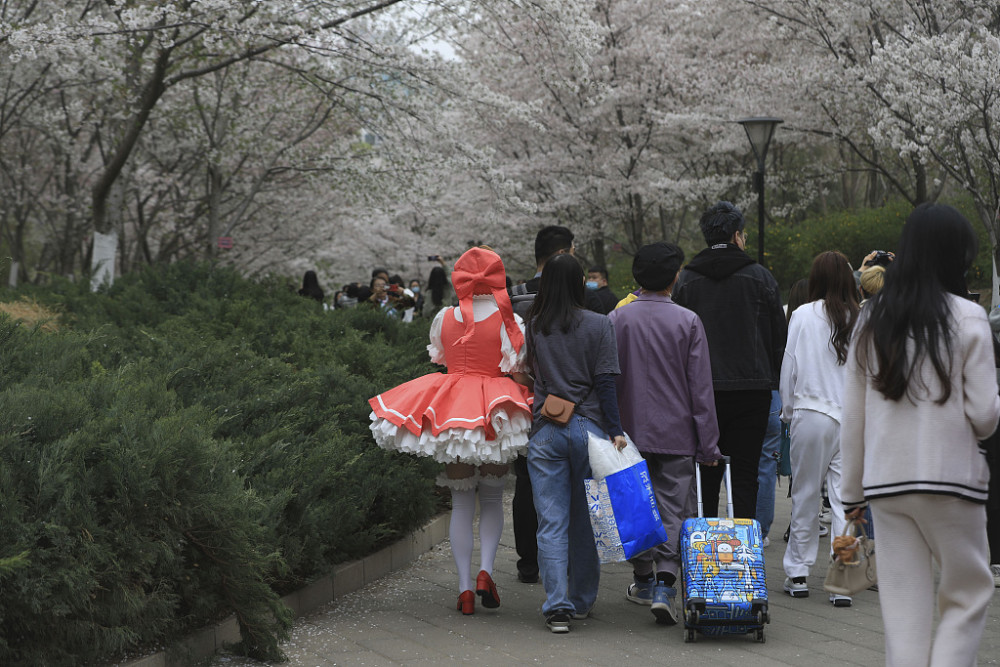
x=473 y=413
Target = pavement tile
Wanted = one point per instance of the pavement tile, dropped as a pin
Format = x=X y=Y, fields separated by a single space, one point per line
x=409 y=617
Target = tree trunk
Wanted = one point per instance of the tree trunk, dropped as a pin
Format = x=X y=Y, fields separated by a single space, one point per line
x=636 y=221
x=214 y=206
x=600 y=258
x=920 y=181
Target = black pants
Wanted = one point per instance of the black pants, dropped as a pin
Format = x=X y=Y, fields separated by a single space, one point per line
x=525 y=522
x=742 y=419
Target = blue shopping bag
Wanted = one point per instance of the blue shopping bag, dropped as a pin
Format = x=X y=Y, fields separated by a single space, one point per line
x=623 y=514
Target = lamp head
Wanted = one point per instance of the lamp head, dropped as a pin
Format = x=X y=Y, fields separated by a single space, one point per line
x=759 y=131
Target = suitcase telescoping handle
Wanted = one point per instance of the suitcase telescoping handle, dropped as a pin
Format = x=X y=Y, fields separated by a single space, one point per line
x=729 y=488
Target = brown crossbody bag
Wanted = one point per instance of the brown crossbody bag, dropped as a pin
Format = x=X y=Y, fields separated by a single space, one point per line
x=556 y=410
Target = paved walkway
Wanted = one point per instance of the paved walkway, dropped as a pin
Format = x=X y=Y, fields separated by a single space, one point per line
x=409 y=618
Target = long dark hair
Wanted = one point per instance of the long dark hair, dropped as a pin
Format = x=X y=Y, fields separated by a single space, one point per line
x=798 y=295
x=935 y=250
x=560 y=296
x=310 y=286
x=436 y=283
x=832 y=280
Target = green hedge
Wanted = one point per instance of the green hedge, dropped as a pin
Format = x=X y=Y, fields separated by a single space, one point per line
x=192 y=445
x=790 y=248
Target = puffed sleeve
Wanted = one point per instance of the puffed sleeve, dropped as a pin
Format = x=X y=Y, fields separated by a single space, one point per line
x=513 y=361
x=434 y=349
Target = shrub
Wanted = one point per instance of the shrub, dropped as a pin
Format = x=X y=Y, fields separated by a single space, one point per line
x=790 y=248
x=189 y=445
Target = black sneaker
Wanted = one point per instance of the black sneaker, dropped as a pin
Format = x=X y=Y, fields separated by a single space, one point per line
x=558 y=622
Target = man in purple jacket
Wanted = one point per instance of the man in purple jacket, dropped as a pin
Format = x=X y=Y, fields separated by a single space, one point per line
x=667 y=406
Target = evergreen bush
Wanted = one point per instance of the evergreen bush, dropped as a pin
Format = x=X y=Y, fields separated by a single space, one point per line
x=190 y=444
x=791 y=247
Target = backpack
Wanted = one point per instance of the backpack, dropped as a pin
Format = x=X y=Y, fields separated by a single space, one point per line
x=521 y=300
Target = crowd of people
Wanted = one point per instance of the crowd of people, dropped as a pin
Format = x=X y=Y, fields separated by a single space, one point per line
x=886 y=379
x=406 y=300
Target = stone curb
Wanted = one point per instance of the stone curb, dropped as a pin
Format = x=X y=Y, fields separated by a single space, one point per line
x=346 y=578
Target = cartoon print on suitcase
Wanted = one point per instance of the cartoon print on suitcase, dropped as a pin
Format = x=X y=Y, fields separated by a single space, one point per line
x=724 y=585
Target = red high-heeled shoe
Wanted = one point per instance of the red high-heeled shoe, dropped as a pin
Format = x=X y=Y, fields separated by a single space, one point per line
x=467 y=603
x=487 y=590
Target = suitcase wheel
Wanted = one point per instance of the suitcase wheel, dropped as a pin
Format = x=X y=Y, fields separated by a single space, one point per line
x=760 y=636
x=689 y=636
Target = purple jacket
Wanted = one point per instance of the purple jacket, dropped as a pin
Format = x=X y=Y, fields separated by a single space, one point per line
x=665 y=390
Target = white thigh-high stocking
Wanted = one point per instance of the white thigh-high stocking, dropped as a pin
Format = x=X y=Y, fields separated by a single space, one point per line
x=463 y=508
x=490 y=519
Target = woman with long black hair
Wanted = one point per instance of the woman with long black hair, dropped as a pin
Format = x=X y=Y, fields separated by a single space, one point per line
x=920 y=394
x=575 y=358
x=437 y=284
x=812 y=386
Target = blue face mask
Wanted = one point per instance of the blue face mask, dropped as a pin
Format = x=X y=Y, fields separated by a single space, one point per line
x=415 y=289
x=591 y=284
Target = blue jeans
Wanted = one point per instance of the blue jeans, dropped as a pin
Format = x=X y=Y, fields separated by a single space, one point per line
x=558 y=463
x=767 y=473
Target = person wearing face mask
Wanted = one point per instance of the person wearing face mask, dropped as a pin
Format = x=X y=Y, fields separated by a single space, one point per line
x=418 y=297
x=599 y=297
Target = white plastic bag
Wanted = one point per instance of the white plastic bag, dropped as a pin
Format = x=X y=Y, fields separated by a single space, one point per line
x=605 y=459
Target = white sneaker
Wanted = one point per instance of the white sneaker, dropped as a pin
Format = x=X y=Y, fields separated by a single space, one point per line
x=766 y=543
x=840 y=600
x=825 y=515
x=796 y=589
x=824 y=530
x=995 y=569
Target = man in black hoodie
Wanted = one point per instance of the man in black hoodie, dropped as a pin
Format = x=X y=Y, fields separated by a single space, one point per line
x=739 y=304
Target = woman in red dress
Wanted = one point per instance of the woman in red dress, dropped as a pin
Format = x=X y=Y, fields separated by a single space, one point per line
x=474 y=418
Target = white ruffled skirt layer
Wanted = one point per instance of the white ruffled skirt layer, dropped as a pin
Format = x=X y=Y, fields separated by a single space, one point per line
x=459 y=445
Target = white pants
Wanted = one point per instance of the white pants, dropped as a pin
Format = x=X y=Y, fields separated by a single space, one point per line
x=913 y=531
x=815 y=456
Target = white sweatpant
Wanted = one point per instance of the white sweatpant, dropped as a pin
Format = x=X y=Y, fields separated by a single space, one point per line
x=913 y=531
x=815 y=456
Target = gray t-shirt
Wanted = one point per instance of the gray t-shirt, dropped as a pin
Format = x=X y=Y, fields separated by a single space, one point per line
x=567 y=364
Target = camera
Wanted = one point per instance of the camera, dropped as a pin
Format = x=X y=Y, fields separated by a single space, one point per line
x=974 y=296
x=881 y=258
x=392 y=288
x=433 y=258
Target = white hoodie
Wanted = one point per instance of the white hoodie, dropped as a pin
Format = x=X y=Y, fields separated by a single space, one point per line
x=811 y=378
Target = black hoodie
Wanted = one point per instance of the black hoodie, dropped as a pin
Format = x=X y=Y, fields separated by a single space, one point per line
x=739 y=304
x=719 y=261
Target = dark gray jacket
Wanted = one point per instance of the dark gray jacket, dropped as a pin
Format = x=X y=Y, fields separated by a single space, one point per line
x=739 y=304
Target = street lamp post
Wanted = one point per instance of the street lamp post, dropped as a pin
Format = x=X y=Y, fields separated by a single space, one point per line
x=760 y=130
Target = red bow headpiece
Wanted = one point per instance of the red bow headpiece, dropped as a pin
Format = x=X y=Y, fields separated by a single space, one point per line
x=480 y=271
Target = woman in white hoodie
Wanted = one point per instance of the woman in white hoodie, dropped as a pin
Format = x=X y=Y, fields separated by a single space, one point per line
x=812 y=386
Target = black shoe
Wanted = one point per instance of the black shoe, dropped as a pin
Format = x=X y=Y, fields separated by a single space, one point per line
x=527 y=578
x=788 y=532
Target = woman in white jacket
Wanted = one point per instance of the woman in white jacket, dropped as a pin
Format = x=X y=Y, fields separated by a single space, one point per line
x=812 y=385
x=920 y=393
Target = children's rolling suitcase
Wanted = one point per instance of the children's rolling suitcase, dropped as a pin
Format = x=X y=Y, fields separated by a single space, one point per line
x=724 y=591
